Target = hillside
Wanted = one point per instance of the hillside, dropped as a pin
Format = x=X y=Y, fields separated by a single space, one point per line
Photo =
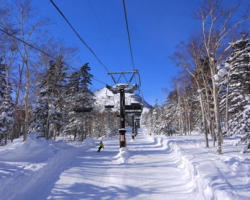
x=105 y=97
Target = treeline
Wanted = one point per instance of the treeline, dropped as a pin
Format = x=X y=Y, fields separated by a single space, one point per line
x=39 y=91
x=212 y=93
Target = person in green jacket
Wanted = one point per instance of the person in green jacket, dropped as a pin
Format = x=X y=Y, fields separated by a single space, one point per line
x=101 y=146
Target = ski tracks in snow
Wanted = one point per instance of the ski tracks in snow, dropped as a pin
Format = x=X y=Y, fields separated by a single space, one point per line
x=146 y=169
x=150 y=167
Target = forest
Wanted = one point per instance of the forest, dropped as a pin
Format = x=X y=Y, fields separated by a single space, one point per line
x=212 y=92
x=41 y=93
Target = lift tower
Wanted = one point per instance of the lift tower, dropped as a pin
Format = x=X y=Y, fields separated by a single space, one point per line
x=122 y=88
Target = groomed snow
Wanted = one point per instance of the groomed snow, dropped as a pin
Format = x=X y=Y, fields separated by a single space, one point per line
x=150 y=167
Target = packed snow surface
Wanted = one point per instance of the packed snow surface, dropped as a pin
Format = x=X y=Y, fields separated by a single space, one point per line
x=150 y=167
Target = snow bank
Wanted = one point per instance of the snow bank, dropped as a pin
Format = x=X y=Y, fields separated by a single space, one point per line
x=122 y=156
x=30 y=167
x=153 y=166
x=214 y=176
x=31 y=150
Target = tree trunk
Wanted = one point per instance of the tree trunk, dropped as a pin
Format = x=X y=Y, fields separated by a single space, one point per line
x=203 y=119
x=216 y=110
x=26 y=106
x=19 y=85
x=227 y=117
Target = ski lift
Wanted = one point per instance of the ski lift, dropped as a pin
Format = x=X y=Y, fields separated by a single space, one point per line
x=134 y=108
x=137 y=118
x=109 y=101
x=83 y=109
x=109 y=107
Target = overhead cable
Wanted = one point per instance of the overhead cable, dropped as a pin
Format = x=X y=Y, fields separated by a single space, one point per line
x=128 y=33
x=79 y=37
x=41 y=51
x=26 y=43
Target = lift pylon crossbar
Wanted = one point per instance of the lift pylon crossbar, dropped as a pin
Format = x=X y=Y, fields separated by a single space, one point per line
x=123 y=74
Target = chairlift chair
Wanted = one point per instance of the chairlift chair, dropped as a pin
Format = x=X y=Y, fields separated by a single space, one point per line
x=109 y=107
x=83 y=109
x=134 y=106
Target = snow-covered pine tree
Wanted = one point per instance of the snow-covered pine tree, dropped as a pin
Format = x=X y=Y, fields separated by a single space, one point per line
x=167 y=124
x=98 y=124
x=48 y=116
x=73 y=120
x=85 y=82
x=171 y=113
x=155 y=119
x=111 y=123
x=85 y=93
x=57 y=111
x=237 y=69
x=39 y=123
x=2 y=80
x=78 y=97
x=6 y=107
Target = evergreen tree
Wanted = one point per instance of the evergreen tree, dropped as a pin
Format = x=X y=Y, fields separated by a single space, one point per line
x=73 y=122
x=236 y=75
x=56 y=102
x=78 y=101
x=85 y=82
x=2 y=80
x=48 y=115
x=6 y=107
x=41 y=113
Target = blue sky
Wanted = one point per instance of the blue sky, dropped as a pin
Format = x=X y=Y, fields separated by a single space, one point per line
x=156 y=27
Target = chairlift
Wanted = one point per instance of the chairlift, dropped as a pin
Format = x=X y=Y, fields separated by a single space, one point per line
x=134 y=106
x=83 y=109
x=109 y=107
x=137 y=117
x=134 y=112
x=138 y=114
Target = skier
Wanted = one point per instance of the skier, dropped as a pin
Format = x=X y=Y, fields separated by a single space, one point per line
x=101 y=145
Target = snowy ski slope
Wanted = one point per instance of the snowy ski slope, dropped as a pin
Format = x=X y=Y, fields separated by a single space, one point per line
x=151 y=167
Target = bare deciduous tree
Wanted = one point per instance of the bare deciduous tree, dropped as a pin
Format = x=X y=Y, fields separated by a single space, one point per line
x=217 y=23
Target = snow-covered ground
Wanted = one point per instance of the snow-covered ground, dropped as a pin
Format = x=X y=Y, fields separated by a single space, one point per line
x=150 y=167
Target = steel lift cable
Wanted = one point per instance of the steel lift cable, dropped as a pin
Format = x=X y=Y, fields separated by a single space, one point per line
x=41 y=51
x=79 y=37
x=128 y=33
x=32 y=46
x=129 y=41
x=26 y=43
